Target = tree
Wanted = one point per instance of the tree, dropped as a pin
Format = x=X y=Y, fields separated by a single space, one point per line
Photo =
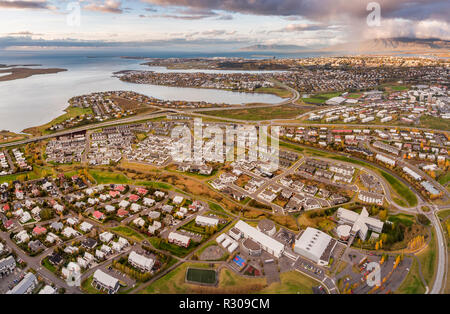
x=46 y=214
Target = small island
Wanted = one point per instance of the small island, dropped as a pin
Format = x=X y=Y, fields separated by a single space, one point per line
x=15 y=73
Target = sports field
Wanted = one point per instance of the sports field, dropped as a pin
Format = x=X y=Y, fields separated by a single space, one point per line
x=202 y=276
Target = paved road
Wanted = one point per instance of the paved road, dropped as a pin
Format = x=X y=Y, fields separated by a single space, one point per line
x=440 y=281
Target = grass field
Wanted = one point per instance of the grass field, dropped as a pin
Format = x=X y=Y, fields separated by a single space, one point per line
x=407 y=220
x=262 y=113
x=104 y=177
x=431 y=122
x=48 y=265
x=443 y=214
x=129 y=233
x=444 y=178
x=412 y=283
x=71 y=112
x=230 y=282
x=398 y=88
x=280 y=92
x=86 y=287
x=202 y=276
x=36 y=173
x=320 y=98
x=428 y=259
x=292 y=282
x=400 y=188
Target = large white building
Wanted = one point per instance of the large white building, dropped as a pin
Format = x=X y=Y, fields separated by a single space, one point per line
x=267 y=243
x=141 y=262
x=361 y=223
x=103 y=281
x=206 y=221
x=412 y=173
x=179 y=239
x=385 y=159
x=315 y=245
x=371 y=198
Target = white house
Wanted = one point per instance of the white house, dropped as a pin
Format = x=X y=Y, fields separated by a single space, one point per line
x=85 y=226
x=206 y=221
x=141 y=262
x=105 y=237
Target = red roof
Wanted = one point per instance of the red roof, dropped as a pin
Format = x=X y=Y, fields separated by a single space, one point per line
x=98 y=215
x=133 y=197
x=6 y=207
x=39 y=230
x=141 y=191
x=114 y=193
x=120 y=188
x=342 y=131
x=8 y=223
x=122 y=212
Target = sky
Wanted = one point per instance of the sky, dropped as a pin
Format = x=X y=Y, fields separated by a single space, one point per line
x=214 y=25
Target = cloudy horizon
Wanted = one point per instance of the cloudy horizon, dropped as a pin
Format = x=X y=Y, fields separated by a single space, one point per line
x=213 y=24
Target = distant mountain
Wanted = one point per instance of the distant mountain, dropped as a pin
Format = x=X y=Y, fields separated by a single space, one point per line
x=273 y=48
x=394 y=45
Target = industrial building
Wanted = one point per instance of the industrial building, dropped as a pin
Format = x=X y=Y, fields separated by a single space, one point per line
x=315 y=245
x=267 y=243
x=361 y=223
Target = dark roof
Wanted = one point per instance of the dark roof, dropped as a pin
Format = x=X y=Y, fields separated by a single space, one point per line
x=89 y=243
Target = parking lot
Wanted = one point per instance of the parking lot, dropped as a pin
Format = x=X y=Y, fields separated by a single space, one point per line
x=355 y=274
x=8 y=282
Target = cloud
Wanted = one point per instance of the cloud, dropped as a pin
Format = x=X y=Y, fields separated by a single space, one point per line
x=109 y=6
x=30 y=4
x=24 y=33
x=180 y=17
x=173 y=41
x=318 y=10
x=303 y=27
x=225 y=17
x=411 y=29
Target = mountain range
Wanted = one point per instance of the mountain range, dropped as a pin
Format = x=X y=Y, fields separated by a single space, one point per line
x=374 y=46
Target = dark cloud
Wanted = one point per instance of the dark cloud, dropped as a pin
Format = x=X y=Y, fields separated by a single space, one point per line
x=319 y=9
x=24 y=4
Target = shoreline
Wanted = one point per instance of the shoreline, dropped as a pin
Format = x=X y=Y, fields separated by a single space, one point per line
x=22 y=73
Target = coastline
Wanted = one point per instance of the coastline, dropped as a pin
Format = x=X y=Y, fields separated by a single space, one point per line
x=21 y=73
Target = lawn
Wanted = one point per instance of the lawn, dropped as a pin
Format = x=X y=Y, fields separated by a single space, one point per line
x=216 y=207
x=86 y=286
x=412 y=283
x=36 y=173
x=105 y=177
x=400 y=188
x=173 y=248
x=444 y=178
x=320 y=98
x=206 y=276
x=280 y=92
x=292 y=282
x=48 y=265
x=428 y=259
x=443 y=214
x=172 y=283
x=435 y=123
x=230 y=282
x=128 y=232
x=407 y=220
x=262 y=113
